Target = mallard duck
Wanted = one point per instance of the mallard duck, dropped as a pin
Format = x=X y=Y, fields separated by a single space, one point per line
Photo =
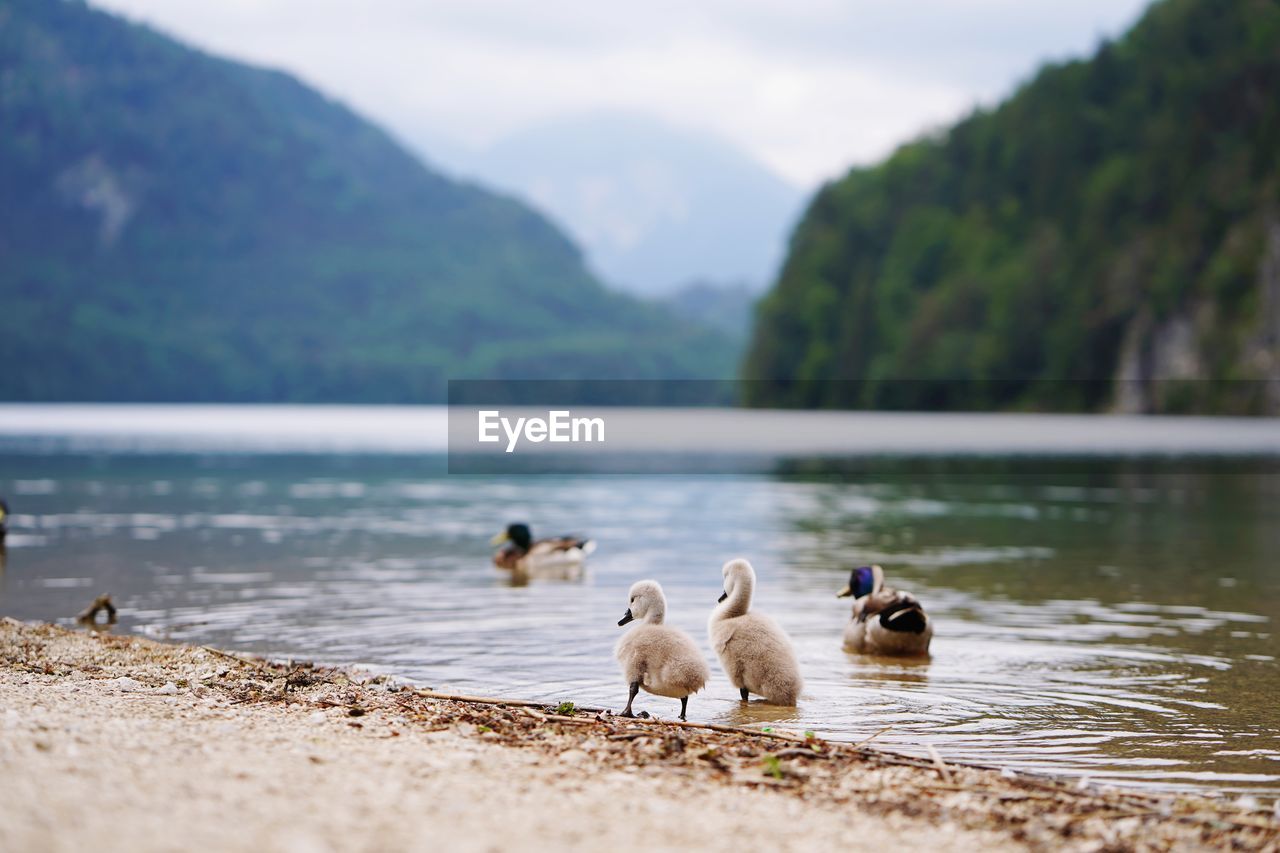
x=884 y=621
x=756 y=654
x=661 y=659
x=520 y=554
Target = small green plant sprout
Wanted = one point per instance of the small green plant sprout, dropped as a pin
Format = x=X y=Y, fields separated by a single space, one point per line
x=483 y=728
x=566 y=709
x=772 y=766
x=767 y=729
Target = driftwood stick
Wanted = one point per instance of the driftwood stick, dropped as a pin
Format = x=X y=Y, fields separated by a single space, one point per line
x=802 y=753
x=561 y=718
x=939 y=763
x=525 y=703
x=868 y=740
x=257 y=664
x=733 y=730
x=487 y=700
x=89 y=616
x=479 y=700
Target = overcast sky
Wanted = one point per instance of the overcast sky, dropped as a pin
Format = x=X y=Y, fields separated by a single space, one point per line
x=809 y=87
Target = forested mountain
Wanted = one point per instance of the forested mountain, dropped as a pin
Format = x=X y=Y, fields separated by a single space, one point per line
x=1108 y=237
x=178 y=227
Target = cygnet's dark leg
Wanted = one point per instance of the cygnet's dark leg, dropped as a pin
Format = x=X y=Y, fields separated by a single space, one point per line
x=684 y=706
x=745 y=693
x=635 y=688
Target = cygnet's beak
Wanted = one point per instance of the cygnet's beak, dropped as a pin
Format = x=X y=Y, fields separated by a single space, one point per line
x=722 y=597
x=844 y=593
x=626 y=617
x=498 y=539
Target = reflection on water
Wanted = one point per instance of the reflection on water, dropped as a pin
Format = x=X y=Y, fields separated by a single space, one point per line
x=756 y=712
x=1108 y=617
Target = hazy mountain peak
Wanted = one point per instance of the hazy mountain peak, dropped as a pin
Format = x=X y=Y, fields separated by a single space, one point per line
x=653 y=205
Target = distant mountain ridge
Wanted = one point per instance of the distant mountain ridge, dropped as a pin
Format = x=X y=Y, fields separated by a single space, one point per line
x=1107 y=238
x=727 y=307
x=174 y=226
x=655 y=207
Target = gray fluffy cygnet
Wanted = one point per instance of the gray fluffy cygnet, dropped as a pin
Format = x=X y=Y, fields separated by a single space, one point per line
x=658 y=658
x=756 y=654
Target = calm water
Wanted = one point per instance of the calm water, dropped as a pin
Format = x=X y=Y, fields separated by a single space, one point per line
x=1103 y=616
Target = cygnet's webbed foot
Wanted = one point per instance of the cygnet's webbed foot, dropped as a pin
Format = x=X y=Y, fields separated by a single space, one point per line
x=745 y=693
x=627 y=713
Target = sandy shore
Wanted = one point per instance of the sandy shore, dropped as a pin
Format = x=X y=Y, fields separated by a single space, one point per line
x=118 y=743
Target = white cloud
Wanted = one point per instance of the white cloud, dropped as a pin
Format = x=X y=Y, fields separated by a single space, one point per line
x=807 y=86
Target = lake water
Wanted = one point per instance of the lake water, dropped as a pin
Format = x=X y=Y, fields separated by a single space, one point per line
x=1096 y=614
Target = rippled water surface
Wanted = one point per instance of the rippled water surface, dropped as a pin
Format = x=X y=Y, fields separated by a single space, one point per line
x=1099 y=616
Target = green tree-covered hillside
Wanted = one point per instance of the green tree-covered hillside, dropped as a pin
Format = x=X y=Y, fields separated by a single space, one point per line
x=1108 y=237
x=178 y=227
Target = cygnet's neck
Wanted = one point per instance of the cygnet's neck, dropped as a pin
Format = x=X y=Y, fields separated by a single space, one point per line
x=656 y=613
x=739 y=601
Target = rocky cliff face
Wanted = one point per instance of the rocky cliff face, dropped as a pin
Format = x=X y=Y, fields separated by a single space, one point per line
x=1165 y=366
x=1262 y=350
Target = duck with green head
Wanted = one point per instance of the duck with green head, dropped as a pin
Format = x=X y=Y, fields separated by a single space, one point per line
x=521 y=554
x=884 y=621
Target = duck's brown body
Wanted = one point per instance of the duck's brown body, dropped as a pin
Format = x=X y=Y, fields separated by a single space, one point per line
x=888 y=622
x=520 y=554
x=545 y=551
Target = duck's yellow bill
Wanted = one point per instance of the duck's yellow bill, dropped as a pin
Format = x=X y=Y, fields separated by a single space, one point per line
x=499 y=538
x=844 y=593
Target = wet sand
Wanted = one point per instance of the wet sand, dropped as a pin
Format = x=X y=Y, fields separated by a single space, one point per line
x=119 y=743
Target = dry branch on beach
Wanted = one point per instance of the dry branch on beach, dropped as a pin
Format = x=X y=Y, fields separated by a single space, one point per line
x=586 y=744
x=89 y=616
